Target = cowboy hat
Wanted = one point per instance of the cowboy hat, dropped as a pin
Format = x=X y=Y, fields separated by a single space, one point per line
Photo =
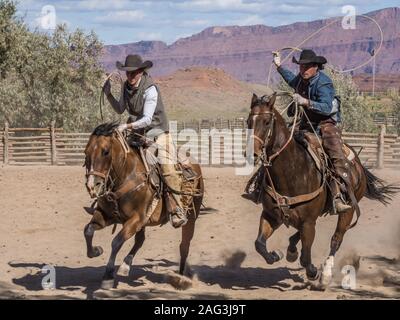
x=134 y=62
x=309 y=56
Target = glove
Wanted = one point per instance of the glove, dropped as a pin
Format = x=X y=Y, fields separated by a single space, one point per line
x=300 y=100
x=107 y=88
x=277 y=59
x=123 y=127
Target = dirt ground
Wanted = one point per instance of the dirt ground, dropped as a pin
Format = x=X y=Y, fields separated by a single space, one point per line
x=42 y=220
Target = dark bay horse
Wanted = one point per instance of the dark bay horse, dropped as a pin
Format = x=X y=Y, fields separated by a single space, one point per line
x=292 y=174
x=113 y=166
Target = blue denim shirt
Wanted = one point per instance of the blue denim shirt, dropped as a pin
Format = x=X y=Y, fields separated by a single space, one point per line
x=321 y=93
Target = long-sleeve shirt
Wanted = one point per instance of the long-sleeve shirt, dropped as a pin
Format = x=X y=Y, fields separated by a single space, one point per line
x=321 y=93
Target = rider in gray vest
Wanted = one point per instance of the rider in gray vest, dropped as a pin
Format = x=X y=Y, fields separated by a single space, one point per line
x=141 y=97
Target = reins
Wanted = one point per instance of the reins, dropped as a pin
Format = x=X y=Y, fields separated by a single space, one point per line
x=264 y=143
x=281 y=200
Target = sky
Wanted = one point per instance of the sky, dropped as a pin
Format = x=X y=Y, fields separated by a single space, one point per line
x=126 y=21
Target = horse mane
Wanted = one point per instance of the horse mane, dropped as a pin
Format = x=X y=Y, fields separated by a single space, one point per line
x=106 y=129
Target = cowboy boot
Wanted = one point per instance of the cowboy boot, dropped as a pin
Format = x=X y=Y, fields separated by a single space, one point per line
x=341 y=171
x=253 y=195
x=340 y=204
x=254 y=187
x=177 y=212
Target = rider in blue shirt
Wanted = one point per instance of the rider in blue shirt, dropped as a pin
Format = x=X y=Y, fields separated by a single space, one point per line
x=316 y=93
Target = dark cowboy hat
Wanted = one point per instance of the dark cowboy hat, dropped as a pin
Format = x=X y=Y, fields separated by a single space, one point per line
x=309 y=56
x=134 y=62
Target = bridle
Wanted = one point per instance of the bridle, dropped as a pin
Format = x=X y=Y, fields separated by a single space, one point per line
x=267 y=160
x=264 y=142
x=283 y=202
x=109 y=183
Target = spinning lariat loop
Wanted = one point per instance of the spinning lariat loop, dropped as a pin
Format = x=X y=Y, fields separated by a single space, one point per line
x=298 y=47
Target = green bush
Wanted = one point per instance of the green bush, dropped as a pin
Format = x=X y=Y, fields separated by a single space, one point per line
x=48 y=77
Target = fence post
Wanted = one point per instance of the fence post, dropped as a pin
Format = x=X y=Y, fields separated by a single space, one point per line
x=381 y=147
x=53 y=143
x=210 y=149
x=6 y=143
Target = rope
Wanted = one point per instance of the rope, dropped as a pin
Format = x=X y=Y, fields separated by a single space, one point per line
x=276 y=154
x=298 y=47
x=101 y=101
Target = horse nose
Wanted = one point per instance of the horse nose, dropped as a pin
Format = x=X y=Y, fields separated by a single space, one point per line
x=90 y=186
x=90 y=183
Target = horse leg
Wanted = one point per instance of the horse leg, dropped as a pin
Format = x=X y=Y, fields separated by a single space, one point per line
x=97 y=223
x=344 y=221
x=292 y=253
x=266 y=229
x=126 y=265
x=129 y=229
x=187 y=236
x=307 y=236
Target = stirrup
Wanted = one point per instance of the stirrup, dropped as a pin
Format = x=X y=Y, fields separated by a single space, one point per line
x=339 y=205
x=178 y=218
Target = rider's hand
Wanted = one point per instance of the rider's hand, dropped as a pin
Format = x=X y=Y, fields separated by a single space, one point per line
x=107 y=88
x=277 y=59
x=123 y=127
x=300 y=100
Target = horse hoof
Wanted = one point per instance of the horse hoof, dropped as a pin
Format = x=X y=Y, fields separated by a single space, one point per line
x=124 y=269
x=278 y=255
x=270 y=257
x=97 y=251
x=264 y=253
x=292 y=256
x=317 y=287
x=312 y=273
x=107 y=284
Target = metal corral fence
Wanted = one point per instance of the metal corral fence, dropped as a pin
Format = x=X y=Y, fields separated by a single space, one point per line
x=212 y=142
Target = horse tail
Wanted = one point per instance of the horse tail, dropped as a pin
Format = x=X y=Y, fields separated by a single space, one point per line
x=377 y=189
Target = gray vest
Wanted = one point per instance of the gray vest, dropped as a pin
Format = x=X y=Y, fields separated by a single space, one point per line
x=135 y=101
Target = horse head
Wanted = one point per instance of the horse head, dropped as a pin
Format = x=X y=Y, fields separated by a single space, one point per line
x=100 y=151
x=261 y=121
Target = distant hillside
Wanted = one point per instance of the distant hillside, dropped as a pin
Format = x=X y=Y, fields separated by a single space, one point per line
x=206 y=93
x=245 y=51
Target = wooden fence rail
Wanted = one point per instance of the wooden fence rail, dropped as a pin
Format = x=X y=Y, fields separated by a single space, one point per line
x=53 y=146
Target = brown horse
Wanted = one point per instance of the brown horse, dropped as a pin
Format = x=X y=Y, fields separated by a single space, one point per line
x=292 y=176
x=118 y=179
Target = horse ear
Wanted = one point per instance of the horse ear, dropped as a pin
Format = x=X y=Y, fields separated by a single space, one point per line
x=271 y=100
x=254 y=99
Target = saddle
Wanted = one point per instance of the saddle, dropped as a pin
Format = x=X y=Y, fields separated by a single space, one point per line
x=314 y=147
x=153 y=167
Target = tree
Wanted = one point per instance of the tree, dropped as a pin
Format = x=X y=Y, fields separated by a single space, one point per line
x=46 y=77
x=395 y=97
